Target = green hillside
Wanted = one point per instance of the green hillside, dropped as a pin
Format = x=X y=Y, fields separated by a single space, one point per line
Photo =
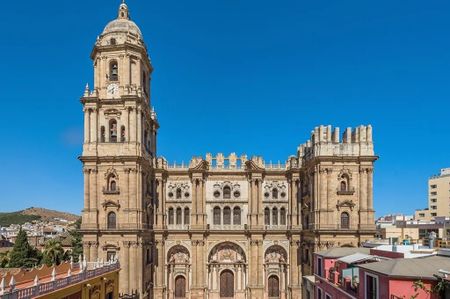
x=16 y=218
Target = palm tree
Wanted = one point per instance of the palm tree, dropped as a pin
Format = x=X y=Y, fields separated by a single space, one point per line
x=53 y=252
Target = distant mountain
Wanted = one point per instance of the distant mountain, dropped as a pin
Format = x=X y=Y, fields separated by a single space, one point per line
x=30 y=214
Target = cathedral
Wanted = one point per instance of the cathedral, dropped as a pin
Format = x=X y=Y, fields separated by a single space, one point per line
x=220 y=226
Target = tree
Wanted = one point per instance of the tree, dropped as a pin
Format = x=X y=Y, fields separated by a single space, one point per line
x=4 y=259
x=53 y=252
x=23 y=254
x=77 y=244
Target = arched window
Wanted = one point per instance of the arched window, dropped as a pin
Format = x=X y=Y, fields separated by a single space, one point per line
x=113 y=41
x=345 y=220
x=237 y=216
x=113 y=71
x=178 y=193
x=112 y=220
x=170 y=215
x=112 y=186
x=102 y=134
x=112 y=130
x=180 y=287
x=343 y=186
x=216 y=216
x=283 y=216
x=227 y=215
x=275 y=216
x=122 y=134
x=226 y=192
x=266 y=216
x=273 y=287
x=275 y=193
x=178 y=215
x=226 y=284
x=186 y=215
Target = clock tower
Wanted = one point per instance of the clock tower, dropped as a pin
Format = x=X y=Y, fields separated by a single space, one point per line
x=119 y=151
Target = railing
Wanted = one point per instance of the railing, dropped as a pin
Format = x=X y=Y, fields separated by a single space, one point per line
x=349 y=191
x=107 y=191
x=57 y=284
x=178 y=226
x=227 y=227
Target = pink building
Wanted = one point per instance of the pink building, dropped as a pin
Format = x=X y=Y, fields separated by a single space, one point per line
x=376 y=274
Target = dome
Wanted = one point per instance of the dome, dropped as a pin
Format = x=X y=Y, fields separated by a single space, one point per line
x=122 y=24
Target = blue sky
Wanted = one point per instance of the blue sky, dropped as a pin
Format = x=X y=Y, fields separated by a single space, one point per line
x=243 y=76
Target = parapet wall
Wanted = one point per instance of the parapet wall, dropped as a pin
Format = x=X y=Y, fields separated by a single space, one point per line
x=326 y=141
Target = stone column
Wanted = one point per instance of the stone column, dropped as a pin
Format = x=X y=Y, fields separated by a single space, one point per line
x=134 y=266
x=86 y=125
x=363 y=200
x=370 y=219
x=93 y=125
x=87 y=202
x=195 y=265
x=250 y=202
x=133 y=124
x=194 y=203
x=323 y=189
x=214 y=277
x=139 y=127
x=294 y=267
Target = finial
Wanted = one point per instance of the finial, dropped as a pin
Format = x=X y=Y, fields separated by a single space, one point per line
x=123 y=11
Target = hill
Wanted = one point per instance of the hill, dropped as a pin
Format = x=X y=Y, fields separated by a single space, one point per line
x=30 y=214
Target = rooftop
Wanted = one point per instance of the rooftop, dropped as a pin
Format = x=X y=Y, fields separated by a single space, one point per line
x=343 y=251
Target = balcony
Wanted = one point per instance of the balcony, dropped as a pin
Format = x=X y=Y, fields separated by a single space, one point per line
x=349 y=191
x=178 y=226
x=227 y=226
x=111 y=192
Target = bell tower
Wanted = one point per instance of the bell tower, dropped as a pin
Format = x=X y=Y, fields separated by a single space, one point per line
x=119 y=151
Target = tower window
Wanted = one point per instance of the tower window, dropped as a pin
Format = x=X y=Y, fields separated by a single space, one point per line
x=216 y=216
x=283 y=216
x=178 y=215
x=345 y=220
x=237 y=216
x=113 y=41
x=343 y=186
x=275 y=216
x=113 y=71
x=266 y=216
x=227 y=216
x=186 y=215
x=226 y=192
x=102 y=134
x=111 y=220
x=112 y=130
x=122 y=134
x=179 y=193
x=170 y=215
x=275 y=193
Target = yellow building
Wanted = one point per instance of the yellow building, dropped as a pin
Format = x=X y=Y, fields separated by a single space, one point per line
x=66 y=281
x=438 y=197
x=219 y=226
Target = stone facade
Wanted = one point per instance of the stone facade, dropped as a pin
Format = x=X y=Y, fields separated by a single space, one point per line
x=219 y=226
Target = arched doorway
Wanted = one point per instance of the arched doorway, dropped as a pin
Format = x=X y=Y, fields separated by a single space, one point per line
x=273 y=285
x=275 y=267
x=227 y=271
x=178 y=271
x=180 y=287
x=226 y=284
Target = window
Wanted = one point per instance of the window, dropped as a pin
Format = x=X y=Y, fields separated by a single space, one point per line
x=275 y=216
x=433 y=200
x=112 y=41
x=433 y=207
x=111 y=220
x=178 y=193
x=433 y=186
x=327 y=296
x=283 y=216
x=112 y=184
x=122 y=134
x=102 y=134
x=319 y=266
x=236 y=194
x=345 y=220
x=371 y=287
x=434 y=214
x=216 y=216
x=148 y=257
x=274 y=193
x=273 y=285
x=237 y=216
x=110 y=255
x=170 y=215
x=343 y=186
x=266 y=216
x=113 y=71
x=178 y=215
x=226 y=192
x=186 y=215
x=226 y=215
x=319 y=293
x=112 y=130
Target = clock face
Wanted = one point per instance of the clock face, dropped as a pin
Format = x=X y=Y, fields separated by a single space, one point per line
x=112 y=89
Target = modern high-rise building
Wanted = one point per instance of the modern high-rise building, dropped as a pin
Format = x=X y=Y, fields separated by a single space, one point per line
x=219 y=226
x=438 y=197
